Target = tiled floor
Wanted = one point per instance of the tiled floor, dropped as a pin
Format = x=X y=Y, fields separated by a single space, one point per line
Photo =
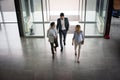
x=31 y=59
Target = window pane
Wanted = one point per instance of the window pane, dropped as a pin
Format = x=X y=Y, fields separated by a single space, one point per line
x=91 y=11
x=37 y=14
x=91 y=29
x=0 y=17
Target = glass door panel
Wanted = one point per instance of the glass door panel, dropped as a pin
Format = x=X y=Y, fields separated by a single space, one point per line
x=0 y=16
x=95 y=17
x=91 y=29
x=0 y=13
x=90 y=10
x=33 y=18
x=27 y=23
x=90 y=19
x=101 y=15
x=81 y=10
x=37 y=14
x=38 y=18
x=46 y=10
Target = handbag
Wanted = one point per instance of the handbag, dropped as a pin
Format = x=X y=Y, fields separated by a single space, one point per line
x=82 y=42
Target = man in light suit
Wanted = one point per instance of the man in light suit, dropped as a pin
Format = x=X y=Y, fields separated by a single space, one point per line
x=62 y=27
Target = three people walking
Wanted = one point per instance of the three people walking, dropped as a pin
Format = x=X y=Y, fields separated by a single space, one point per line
x=63 y=27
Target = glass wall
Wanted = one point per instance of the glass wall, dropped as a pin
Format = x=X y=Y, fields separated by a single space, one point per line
x=101 y=15
x=46 y=10
x=0 y=13
x=68 y=7
x=27 y=23
x=90 y=10
x=92 y=14
x=98 y=15
x=37 y=14
x=82 y=10
x=0 y=16
x=33 y=18
x=87 y=11
x=90 y=21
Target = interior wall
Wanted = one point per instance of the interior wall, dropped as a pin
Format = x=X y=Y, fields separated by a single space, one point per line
x=7 y=5
x=116 y=4
x=8 y=9
x=64 y=5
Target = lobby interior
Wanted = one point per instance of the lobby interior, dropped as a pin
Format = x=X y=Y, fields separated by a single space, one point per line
x=29 y=57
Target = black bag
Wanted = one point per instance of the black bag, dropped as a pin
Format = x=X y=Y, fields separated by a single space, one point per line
x=56 y=43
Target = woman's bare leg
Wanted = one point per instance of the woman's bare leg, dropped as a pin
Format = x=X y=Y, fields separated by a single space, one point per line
x=75 y=48
x=78 y=53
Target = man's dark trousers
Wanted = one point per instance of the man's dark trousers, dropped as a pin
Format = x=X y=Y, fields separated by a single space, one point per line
x=63 y=34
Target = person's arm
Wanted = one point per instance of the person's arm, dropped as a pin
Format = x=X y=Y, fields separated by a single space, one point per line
x=67 y=21
x=48 y=33
x=57 y=27
x=56 y=33
x=73 y=38
x=83 y=37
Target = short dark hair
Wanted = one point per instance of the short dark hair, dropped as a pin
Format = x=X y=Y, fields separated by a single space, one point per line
x=61 y=14
x=52 y=24
x=78 y=26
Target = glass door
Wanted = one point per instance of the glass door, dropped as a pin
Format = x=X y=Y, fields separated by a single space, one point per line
x=33 y=19
x=90 y=18
x=46 y=10
x=93 y=16
x=82 y=14
x=82 y=10
x=1 y=19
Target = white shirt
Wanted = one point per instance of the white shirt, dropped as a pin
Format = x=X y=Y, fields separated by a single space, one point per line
x=52 y=34
x=63 y=24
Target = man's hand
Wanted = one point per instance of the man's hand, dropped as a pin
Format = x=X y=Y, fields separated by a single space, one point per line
x=72 y=43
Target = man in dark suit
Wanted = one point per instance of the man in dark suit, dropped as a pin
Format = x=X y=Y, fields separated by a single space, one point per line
x=62 y=27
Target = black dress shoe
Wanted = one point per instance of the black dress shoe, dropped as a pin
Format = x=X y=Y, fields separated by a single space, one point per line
x=61 y=49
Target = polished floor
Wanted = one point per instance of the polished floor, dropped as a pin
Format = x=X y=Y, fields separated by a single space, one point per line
x=31 y=59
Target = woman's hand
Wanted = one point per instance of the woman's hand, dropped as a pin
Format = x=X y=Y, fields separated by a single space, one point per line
x=82 y=42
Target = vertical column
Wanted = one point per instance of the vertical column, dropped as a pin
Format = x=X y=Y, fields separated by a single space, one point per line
x=19 y=19
x=108 y=20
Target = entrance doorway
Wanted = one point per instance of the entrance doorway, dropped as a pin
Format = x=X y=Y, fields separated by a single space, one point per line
x=90 y=14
